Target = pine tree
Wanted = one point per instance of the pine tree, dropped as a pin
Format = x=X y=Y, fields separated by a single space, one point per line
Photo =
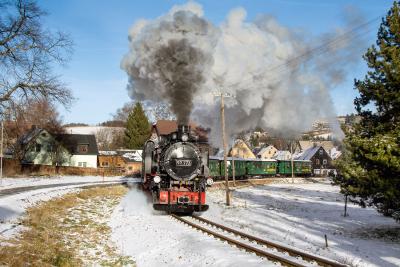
x=137 y=128
x=370 y=166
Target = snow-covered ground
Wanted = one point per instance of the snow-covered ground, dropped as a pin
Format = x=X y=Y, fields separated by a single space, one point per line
x=6 y=183
x=155 y=239
x=13 y=206
x=293 y=214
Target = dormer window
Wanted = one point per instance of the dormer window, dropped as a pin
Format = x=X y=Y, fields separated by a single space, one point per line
x=83 y=149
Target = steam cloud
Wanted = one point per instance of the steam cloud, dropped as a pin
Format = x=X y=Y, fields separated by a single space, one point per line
x=170 y=58
x=181 y=58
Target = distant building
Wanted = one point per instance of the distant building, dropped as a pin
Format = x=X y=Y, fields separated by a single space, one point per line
x=126 y=161
x=267 y=152
x=241 y=150
x=321 y=162
x=282 y=155
x=44 y=148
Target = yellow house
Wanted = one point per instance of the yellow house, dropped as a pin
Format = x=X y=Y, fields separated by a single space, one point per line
x=241 y=150
x=267 y=152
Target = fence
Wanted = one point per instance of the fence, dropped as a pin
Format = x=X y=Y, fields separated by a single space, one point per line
x=12 y=168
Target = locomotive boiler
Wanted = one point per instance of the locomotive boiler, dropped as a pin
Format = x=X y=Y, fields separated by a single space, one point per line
x=175 y=171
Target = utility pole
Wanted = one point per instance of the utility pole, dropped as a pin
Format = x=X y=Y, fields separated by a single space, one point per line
x=291 y=156
x=222 y=95
x=1 y=151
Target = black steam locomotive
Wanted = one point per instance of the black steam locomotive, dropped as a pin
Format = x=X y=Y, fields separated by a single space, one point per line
x=176 y=172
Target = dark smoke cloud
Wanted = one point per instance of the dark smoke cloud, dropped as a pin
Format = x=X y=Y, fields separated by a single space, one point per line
x=180 y=66
x=170 y=58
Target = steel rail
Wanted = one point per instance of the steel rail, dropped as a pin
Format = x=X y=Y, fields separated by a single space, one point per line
x=293 y=252
x=257 y=251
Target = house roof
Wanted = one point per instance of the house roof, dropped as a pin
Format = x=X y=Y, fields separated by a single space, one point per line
x=71 y=142
x=128 y=155
x=265 y=149
x=29 y=136
x=309 y=153
x=304 y=145
x=281 y=154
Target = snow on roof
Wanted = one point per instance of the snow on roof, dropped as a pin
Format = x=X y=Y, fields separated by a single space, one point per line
x=108 y=153
x=281 y=155
x=131 y=155
x=309 y=153
x=264 y=149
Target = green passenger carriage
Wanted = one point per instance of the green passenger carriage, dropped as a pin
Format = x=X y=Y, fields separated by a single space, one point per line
x=301 y=167
x=258 y=167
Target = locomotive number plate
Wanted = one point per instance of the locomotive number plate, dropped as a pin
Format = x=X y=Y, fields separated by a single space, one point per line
x=183 y=162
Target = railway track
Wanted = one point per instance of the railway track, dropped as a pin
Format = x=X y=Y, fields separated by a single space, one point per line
x=264 y=248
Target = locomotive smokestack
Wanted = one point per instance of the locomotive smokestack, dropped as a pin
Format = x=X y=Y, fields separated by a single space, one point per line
x=182 y=128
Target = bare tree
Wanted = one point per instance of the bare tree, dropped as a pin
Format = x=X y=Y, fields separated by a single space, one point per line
x=154 y=111
x=19 y=120
x=27 y=51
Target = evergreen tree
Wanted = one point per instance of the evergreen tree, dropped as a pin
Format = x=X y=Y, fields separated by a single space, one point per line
x=370 y=166
x=137 y=128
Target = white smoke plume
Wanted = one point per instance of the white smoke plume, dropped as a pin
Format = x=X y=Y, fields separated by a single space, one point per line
x=281 y=78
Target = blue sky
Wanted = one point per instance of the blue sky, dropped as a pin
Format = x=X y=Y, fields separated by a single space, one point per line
x=99 y=30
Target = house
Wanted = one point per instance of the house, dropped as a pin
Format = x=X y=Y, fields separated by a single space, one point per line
x=124 y=160
x=321 y=162
x=241 y=150
x=267 y=152
x=282 y=155
x=82 y=148
x=41 y=147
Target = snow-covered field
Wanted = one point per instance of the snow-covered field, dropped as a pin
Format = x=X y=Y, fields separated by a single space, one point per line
x=293 y=214
x=13 y=206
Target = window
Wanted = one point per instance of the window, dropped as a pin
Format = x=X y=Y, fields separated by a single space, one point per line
x=38 y=147
x=317 y=162
x=83 y=149
x=104 y=164
x=324 y=162
x=82 y=164
x=321 y=151
x=130 y=168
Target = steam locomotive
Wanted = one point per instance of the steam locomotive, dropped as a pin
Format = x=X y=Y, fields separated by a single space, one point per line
x=176 y=172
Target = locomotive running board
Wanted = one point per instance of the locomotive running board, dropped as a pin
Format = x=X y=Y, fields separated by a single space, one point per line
x=180 y=208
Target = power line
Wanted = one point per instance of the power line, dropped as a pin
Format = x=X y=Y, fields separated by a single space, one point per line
x=323 y=48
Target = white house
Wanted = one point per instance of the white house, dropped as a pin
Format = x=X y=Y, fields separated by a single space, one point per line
x=82 y=147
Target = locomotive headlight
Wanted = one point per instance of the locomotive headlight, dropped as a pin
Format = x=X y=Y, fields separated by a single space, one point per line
x=185 y=137
x=174 y=136
x=209 y=181
x=157 y=179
